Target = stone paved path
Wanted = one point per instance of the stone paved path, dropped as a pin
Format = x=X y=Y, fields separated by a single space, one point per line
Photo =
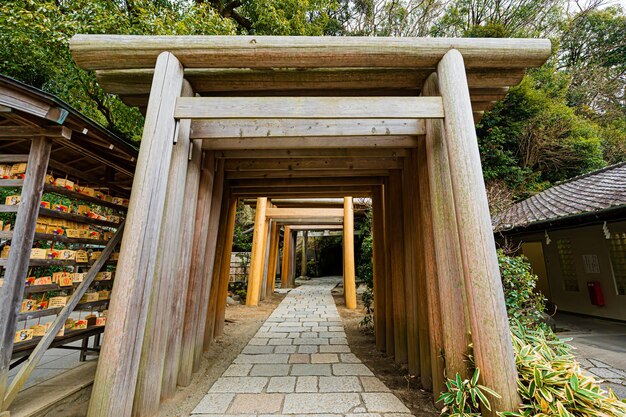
x=299 y=364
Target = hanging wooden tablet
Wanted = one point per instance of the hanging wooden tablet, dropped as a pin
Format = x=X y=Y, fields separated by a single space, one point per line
x=23 y=335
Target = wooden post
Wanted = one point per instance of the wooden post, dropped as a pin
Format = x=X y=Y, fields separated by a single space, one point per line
x=292 y=259
x=451 y=288
x=424 y=261
x=389 y=309
x=220 y=305
x=349 y=280
x=271 y=263
x=303 y=261
x=179 y=292
x=209 y=326
x=285 y=281
x=378 y=265
x=17 y=266
x=257 y=255
x=152 y=362
x=116 y=375
x=266 y=255
x=210 y=259
x=411 y=294
x=200 y=236
x=397 y=266
x=428 y=269
x=491 y=335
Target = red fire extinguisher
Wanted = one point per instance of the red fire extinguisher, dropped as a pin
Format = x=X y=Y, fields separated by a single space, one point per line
x=595 y=293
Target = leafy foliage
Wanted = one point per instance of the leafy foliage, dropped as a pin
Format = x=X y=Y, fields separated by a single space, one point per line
x=523 y=303
x=465 y=397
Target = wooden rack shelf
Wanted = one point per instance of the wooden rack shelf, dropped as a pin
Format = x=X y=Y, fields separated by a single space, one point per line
x=76 y=218
x=50 y=188
x=33 y=289
x=56 y=262
x=8 y=208
x=58 y=238
x=53 y=311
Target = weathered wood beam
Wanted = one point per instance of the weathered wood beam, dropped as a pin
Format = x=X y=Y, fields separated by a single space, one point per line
x=309 y=108
x=196 y=268
x=389 y=299
x=274 y=128
x=349 y=281
x=134 y=84
x=183 y=256
x=334 y=173
x=378 y=265
x=428 y=263
x=449 y=265
x=116 y=376
x=128 y=51
x=313 y=227
x=225 y=268
x=493 y=350
x=29 y=132
x=313 y=164
x=273 y=259
x=313 y=153
x=304 y=192
x=396 y=252
x=158 y=320
x=19 y=100
x=11 y=293
x=297 y=213
x=307 y=182
x=285 y=279
x=257 y=255
x=302 y=142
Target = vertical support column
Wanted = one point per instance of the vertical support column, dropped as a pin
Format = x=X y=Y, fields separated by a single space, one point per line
x=17 y=266
x=116 y=375
x=412 y=295
x=152 y=362
x=349 y=280
x=378 y=266
x=183 y=259
x=200 y=236
x=303 y=261
x=209 y=255
x=396 y=254
x=491 y=335
x=428 y=270
x=390 y=345
x=266 y=256
x=272 y=257
x=285 y=280
x=257 y=255
x=451 y=288
x=211 y=302
x=220 y=305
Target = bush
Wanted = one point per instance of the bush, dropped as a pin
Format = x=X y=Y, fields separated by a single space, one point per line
x=523 y=303
x=550 y=383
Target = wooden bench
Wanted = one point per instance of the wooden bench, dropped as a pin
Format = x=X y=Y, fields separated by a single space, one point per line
x=22 y=350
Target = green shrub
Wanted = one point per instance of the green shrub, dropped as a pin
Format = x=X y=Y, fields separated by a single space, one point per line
x=550 y=383
x=523 y=302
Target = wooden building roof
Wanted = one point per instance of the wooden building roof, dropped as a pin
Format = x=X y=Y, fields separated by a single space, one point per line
x=594 y=194
x=306 y=66
x=82 y=149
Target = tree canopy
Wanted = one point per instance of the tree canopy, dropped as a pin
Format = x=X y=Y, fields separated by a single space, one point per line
x=564 y=119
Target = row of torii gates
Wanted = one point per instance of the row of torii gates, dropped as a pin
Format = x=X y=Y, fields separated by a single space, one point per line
x=391 y=119
x=266 y=239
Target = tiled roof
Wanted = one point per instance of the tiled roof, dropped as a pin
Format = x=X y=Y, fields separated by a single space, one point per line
x=588 y=193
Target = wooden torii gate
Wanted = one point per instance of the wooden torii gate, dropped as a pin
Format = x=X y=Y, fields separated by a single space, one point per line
x=302 y=117
x=264 y=256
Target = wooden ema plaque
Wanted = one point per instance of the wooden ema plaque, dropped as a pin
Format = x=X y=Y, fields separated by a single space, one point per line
x=23 y=335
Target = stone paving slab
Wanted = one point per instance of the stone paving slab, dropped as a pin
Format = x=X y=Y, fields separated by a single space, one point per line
x=299 y=364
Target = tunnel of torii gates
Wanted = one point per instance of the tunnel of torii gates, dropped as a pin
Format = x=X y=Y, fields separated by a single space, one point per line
x=265 y=245
x=226 y=118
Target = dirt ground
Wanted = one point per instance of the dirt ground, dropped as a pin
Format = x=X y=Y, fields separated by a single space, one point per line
x=395 y=377
x=241 y=324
